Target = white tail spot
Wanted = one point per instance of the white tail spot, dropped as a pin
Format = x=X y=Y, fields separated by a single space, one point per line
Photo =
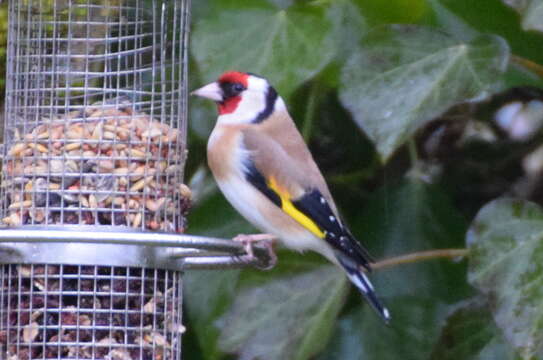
x=386 y=314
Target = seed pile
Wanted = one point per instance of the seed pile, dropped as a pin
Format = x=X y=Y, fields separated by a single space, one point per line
x=105 y=165
x=88 y=312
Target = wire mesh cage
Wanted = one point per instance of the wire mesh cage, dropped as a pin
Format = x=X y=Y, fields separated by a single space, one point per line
x=91 y=200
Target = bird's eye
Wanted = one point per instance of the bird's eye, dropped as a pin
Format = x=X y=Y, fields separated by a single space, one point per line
x=238 y=87
x=230 y=89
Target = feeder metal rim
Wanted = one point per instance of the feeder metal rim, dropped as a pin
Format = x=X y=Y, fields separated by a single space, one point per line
x=114 y=235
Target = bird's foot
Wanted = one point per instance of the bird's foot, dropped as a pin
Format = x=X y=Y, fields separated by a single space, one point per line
x=266 y=240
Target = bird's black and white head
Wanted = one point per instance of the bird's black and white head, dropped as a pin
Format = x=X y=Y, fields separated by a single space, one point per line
x=242 y=97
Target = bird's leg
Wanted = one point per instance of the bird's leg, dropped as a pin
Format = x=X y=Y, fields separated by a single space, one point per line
x=267 y=240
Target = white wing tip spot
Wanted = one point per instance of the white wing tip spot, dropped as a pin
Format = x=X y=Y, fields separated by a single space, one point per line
x=323 y=200
x=368 y=281
x=386 y=313
x=332 y=218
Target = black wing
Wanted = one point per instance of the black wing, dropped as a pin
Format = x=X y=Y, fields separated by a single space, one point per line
x=313 y=205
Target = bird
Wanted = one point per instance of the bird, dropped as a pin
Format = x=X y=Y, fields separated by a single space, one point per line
x=263 y=167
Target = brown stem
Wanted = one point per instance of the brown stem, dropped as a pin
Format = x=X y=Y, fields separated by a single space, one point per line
x=528 y=64
x=420 y=256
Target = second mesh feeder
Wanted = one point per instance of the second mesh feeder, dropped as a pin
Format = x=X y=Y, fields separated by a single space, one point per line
x=92 y=201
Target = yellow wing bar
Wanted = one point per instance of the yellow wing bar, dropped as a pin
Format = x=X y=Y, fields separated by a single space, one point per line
x=292 y=211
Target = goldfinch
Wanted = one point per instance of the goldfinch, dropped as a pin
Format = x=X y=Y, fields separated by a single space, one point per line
x=265 y=170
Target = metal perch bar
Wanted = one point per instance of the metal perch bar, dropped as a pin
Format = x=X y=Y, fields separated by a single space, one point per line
x=186 y=251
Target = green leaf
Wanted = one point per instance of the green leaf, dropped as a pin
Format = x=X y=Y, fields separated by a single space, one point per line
x=531 y=12
x=406 y=76
x=348 y=26
x=470 y=334
x=452 y=23
x=506 y=264
x=284 y=317
x=287 y=46
x=207 y=295
x=406 y=218
x=410 y=336
x=504 y=22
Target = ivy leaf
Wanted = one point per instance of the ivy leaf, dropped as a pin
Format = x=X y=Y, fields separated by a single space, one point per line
x=406 y=218
x=284 y=317
x=208 y=294
x=405 y=76
x=287 y=46
x=361 y=335
x=470 y=334
x=452 y=23
x=531 y=12
x=506 y=264
x=348 y=26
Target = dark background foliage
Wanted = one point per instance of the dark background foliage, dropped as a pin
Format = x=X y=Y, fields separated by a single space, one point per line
x=397 y=101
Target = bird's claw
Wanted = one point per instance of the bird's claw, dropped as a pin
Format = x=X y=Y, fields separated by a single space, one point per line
x=249 y=241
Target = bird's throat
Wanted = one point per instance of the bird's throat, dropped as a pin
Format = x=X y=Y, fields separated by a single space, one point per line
x=229 y=105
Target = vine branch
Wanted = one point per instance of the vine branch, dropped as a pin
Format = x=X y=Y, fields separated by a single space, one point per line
x=420 y=256
x=266 y=255
x=528 y=64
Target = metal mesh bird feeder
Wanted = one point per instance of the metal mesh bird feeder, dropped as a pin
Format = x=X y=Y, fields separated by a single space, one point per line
x=91 y=200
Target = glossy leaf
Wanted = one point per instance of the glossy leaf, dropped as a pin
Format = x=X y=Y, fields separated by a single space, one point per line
x=414 y=327
x=348 y=26
x=407 y=218
x=506 y=242
x=208 y=294
x=287 y=46
x=452 y=23
x=470 y=334
x=504 y=22
x=286 y=317
x=406 y=76
x=531 y=12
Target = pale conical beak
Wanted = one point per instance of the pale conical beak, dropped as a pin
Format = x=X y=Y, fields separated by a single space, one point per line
x=210 y=91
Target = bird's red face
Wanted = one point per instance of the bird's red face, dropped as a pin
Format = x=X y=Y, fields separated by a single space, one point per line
x=241 y=97
x=232 y=83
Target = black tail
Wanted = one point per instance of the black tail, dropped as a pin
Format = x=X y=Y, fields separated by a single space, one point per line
x=356 y=274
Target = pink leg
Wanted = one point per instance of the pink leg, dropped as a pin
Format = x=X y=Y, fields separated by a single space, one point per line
x=267 y=240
